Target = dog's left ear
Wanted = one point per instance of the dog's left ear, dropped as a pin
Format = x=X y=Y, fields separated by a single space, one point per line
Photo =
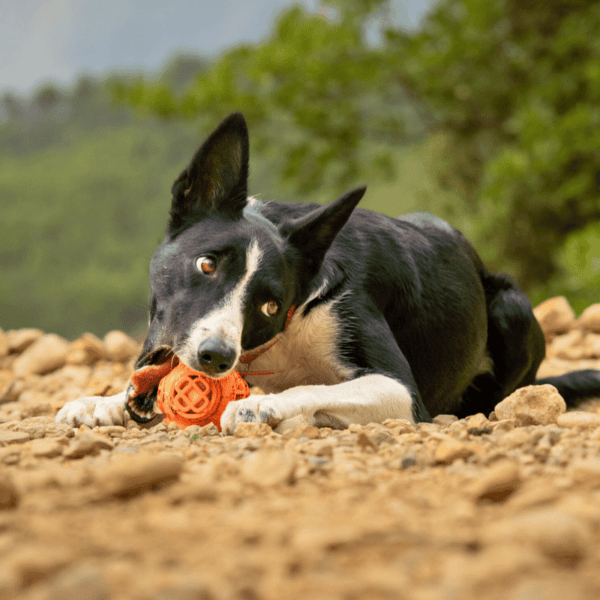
x=216 y=179
x=313 y=234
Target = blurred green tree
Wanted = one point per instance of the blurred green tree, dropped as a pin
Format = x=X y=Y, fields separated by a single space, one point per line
x=514 y=85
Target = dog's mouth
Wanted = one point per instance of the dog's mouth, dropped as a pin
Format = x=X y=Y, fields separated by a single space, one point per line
x=150 y=368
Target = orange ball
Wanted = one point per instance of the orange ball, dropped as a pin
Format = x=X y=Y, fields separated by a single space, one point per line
x=187 y=397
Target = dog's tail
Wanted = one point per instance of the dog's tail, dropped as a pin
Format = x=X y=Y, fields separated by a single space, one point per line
x=575 y=387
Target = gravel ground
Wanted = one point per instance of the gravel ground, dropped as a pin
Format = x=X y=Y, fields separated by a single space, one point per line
x=501 y=506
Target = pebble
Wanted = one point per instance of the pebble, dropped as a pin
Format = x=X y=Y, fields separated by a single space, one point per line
x=77 y=583
x=9 y=495
x=554 y=315
x=450 y=450
x=135 y=474
x=86 y=350
x=4 y=346
x=590 y=318
x=269 y=467
x=586 y=470
x=46 y=354
x=579 y=418
x=444 y=420
x=498 y=483
x=87 y=444
x=251 y=430
x=46 y=448
x=557 y=534
x=13 y=437
x=532 y=405
x=20 y=339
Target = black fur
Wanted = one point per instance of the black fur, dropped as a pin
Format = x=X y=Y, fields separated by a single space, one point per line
x=410 y=296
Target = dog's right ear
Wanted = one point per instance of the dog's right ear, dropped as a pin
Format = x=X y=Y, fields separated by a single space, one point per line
x=216 y=179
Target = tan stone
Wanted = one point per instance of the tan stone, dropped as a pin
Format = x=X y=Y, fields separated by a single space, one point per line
x=559 y=535
x=450 y=450
x=20 y=339
x=46 y=354
x=570 y=345
x=590 y=318
x=133 y=475
x=250 y=430
x=269 y=467
x=86 y=350
x=46 y=448
x=4 y=347
x=9 y=495
x=498 y=483
x=578 y=418
x=586 y=470
x=554 y=315
x=532 y=405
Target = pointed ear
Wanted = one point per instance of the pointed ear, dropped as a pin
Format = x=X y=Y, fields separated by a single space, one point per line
x=216 y=180
x=313 y=234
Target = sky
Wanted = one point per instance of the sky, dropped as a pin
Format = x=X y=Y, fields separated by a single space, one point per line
x=56 y=40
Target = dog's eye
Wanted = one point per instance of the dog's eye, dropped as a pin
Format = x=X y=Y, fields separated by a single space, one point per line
x=269 y=308
x=206 y=265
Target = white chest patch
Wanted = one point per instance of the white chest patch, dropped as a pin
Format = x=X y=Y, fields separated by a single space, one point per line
x=306 y=353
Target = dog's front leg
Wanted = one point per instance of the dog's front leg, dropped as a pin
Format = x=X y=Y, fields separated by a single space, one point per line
x=367 y=399
x=95 y=410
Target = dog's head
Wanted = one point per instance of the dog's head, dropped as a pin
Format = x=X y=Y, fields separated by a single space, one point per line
x=225 y=278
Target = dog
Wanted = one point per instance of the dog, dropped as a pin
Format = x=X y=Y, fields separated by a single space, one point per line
x=339 y=314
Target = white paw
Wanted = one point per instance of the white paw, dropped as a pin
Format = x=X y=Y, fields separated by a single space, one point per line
x=253 y=409
x=94 y=410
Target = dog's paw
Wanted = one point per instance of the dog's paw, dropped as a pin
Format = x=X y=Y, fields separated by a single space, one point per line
x=254 y=409
x=94 y=410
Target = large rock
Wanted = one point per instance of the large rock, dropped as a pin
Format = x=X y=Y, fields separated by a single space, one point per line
x=554 y=315
x=46 y=354
x=532 y=405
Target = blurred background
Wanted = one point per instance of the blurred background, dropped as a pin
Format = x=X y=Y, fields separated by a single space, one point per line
x=485 y=113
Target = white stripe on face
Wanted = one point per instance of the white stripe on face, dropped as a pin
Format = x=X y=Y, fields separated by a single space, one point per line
x=226 y=321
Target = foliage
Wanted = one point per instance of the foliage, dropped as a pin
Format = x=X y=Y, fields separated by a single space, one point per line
x=517 y=87
x=514 y=86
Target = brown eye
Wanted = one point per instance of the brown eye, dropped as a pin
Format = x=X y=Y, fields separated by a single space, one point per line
x=269 y=308
x=206 y=265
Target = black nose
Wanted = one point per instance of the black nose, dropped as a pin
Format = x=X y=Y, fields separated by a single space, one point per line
x=216 y=357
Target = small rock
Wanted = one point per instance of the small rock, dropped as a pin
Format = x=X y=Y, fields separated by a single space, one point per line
x=119 y=346
x=590 y=318
x=571 y=345
x=554 y=315
x=559 y=535
x=532 y=405
x=87 y=444
x=4 y=346
x=87 y=350
x=444 y=420
x=9 y=496
x=586 y=470
x=498 y=483
x=133 y=475
x=46 y=354
x=269 y=467
x=450 y=450
x=77 y=583
x=13 y=437
x=252 y=430
x=364 y=442
x=578 y=418
x=287 y=426
x=20 y=339
x=46 y=448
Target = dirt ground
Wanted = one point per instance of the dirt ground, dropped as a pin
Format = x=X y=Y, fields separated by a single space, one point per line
x=505 y=507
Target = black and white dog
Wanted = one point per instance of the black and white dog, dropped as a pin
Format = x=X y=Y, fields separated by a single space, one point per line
x=343 y=315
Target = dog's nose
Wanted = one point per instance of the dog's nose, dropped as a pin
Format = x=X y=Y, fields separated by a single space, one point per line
x=216 y=357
